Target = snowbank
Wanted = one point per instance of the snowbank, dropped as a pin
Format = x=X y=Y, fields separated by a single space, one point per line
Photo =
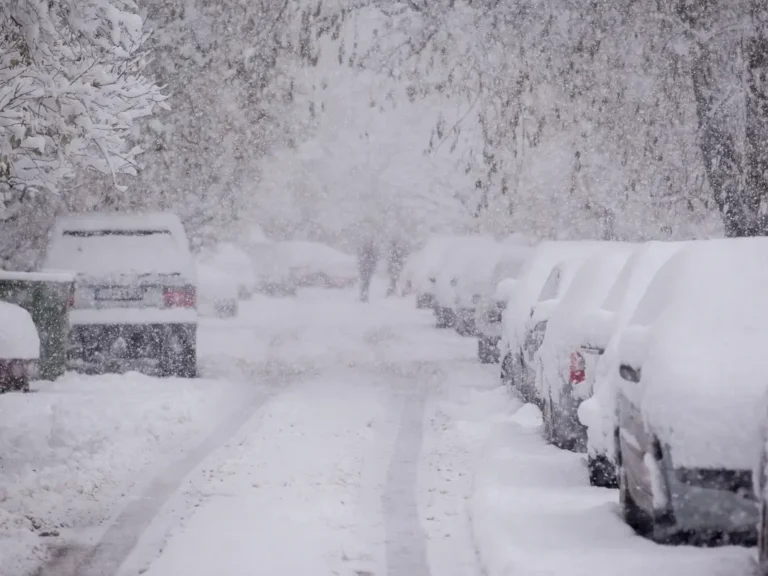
x=18 y=336
x=699 y=336
x=72 y=449
x=533 y=512
x=602 y=329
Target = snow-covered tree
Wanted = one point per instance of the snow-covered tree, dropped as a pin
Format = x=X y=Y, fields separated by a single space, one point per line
x=72 y=89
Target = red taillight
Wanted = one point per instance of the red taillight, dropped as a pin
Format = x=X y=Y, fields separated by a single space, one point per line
x=180 y=297
x=578 y=368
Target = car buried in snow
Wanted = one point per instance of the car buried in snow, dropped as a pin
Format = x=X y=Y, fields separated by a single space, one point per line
x=561 y=363
x=601 y=330
x=522 y=302
x=692 y=368
x=134 y=305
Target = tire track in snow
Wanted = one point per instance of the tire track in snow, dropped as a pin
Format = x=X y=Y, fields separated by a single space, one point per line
x=120 y=538
x=406 y=546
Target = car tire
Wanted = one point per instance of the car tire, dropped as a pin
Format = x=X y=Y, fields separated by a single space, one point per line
x=602 y=472
x=762 y=546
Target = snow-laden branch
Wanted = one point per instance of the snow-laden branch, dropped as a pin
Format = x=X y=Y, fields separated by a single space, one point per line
x=71 y=89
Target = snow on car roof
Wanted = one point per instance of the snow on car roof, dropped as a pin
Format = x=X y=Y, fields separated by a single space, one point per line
x=699 y=336
x=543 y=258
x=18 y=336
x=94 y=221
x=623 y=297
x=43 y=276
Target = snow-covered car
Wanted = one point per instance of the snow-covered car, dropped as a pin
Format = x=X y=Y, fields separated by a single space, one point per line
x=459 y=262
x=217 y=292
x=313 y=264
x=235 y=262
x=19 y=348
x=601 y=331
x=522 y=301
x=693 y=371
x=135 y=298
x=420 y=272
x=492 y=302
x=549 y=299
x=479 y=279
x=560 y=362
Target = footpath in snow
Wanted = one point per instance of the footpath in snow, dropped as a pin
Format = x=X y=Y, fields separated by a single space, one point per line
x=326 y=437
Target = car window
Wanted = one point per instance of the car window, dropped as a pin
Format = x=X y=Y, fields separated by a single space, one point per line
x=550 y=289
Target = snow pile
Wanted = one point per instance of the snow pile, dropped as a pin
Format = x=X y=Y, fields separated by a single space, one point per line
x=532 y=511
x=487 y=269
x=703 y=374
x=71 y=450
x=602 y=329
x=18 y=336
x=563 y=337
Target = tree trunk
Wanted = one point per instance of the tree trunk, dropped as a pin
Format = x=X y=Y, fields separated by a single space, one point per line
x=756 y=56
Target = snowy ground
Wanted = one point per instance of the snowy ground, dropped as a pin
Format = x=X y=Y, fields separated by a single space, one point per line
x=326 y=437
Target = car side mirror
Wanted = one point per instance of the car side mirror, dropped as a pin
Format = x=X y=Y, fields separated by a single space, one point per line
x=629 y=374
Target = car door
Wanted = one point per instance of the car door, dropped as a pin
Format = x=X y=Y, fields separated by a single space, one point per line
x=634 y=440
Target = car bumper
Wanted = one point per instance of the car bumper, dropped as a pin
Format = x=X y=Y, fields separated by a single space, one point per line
x=94 y=348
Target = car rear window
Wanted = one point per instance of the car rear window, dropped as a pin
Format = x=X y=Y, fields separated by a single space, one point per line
x=98 y=252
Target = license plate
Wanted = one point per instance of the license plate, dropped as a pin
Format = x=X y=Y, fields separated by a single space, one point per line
x=119 y=293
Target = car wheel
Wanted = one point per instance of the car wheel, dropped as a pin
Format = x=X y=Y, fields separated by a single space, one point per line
x=633 y=515
x=602 y=472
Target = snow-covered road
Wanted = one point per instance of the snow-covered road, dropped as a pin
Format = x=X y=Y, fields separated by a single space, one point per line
x=326 y=437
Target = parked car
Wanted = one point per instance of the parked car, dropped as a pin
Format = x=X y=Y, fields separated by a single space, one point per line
x=217 y=292
x=236 y=263
x=317 y=265
x=488 y=314
x=458 y=261
x=477 y=282
x=19 y=348
x=692 y=366
x=135 y=298
x=549 y=299
x=420 y=272
x=522 y=301
x=601 y=330
x=560 y=362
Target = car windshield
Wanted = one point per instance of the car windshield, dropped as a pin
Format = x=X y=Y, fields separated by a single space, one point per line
x=99 y=252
